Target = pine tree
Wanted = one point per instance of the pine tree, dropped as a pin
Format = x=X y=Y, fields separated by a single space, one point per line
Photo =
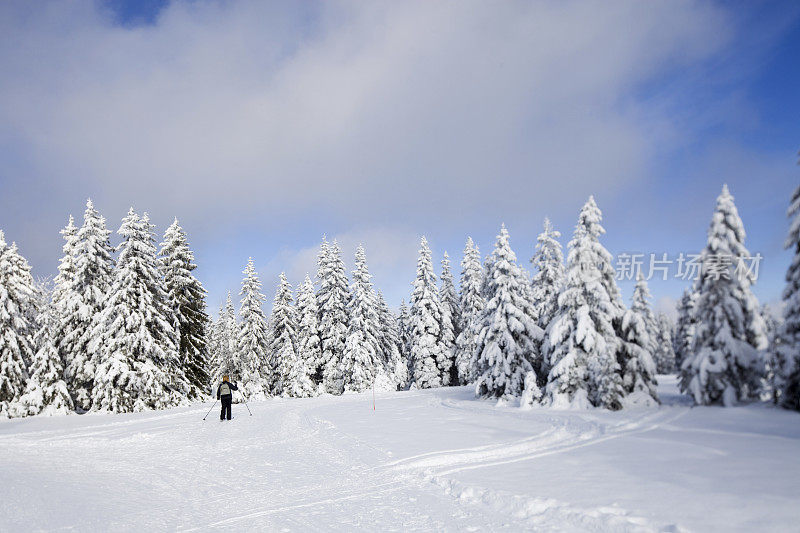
x=665 y=354
x=283 y=324
x=226 y=358
x=296 y=371
x=451 y=317
x=188 y=300
x=395 y=367
x=683 y=339
x=605 y=377
x=548 y=279
x=139 y=366
x=16 y=343
x=83 y=300
x=472 y=304
x=309 y=345
x=507 y=343
x=62 y=285
x=46 y=392
x=298 y=383
x=605 y=374
x=548 y=262
x=581 y=340
x=166 y=330
x=641 y=301
x=726 y=364
x=362 y=358
x=403 y=328
x=774 y=363
x=428 y=353
x=786 y=353
x=214 y=342
x=636 y=363
x=29 y=309
x=323 y=292
x=253 y=339
x=638 y=368
x=332 y=298
x=66 y=272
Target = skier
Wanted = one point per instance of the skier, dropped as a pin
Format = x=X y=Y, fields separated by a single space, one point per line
x=225 y=395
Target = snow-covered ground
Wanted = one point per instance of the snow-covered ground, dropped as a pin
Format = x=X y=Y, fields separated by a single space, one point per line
x=423 y=460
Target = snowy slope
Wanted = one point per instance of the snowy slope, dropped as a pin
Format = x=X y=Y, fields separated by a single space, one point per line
x=435 y=459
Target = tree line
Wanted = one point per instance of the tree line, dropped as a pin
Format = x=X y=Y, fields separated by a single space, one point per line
x=115 y=332
x=126 y=329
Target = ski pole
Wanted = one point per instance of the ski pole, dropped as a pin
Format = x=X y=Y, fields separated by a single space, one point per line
x=209 y=411
x=248 y=407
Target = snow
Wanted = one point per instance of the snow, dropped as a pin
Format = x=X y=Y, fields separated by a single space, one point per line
x=423 y=460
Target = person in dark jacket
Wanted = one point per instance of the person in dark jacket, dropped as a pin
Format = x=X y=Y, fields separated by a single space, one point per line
x=225 y=395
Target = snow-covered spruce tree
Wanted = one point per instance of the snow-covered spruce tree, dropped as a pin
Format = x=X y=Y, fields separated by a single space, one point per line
x=332 y=298
x=283 y=331
x=636 y=361
x=471 y=302
x=683 y=340
x=16 y=343
x=299 y=384
x=772 y=321
x=403 y=328
x=29 y=306
x=787 y=345
x=139 y=366
x=580 y=339
x=726 y=363
x=665 y=354
x=638 y=368
x=62 y=285
x=604 y=375
x=168 y=331
x=213 y=336
x=427 y=351
x=46 y=392
x=253 y=339
x=641 y=301
x=507 y=344
x=362 y=359
x=309 y=345
x=66 y=273
x=775 y=365
x=395 y=367
x=548 y=278
x=451 y=317
x=188 y=300
x=82 y=303
x=402 y=324
x=323 y=270
x=226 y=353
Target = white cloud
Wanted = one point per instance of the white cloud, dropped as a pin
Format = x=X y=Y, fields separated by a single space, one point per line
x=400 y=117
x=363 y=108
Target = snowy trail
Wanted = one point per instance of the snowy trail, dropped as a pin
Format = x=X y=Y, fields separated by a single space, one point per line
x=551 y=442
x=279 y=473
x=427 y=460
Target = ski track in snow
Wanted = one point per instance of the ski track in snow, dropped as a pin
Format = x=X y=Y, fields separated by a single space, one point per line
x=539 y=513
x=329 y=464
x=551 y=442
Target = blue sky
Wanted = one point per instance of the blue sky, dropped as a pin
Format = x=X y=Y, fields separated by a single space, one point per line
x=263 y=126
